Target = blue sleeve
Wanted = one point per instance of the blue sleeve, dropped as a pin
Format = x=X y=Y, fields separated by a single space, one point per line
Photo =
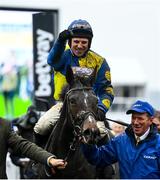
x=100 y=156
x=56 y=55
x=103 y=87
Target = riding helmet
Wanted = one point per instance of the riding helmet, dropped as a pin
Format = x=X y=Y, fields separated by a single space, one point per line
x=81 y=28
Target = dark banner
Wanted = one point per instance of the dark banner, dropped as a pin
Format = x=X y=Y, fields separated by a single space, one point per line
x=44 y=34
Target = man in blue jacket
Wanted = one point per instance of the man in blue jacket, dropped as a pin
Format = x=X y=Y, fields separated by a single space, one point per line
x=137 y=150
x=78 y=55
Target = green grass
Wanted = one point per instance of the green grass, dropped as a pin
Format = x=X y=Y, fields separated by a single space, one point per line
x=20 y=106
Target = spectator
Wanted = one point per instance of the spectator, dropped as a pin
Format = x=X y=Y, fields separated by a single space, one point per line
x=10 y=139
x=9 y=82
x=156 y=120
x=137 y=150
x=8 y=86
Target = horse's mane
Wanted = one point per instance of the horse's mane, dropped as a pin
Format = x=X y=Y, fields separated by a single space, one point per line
x=62 y=98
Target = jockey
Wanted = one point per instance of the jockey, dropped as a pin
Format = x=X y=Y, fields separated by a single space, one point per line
x=76 y=53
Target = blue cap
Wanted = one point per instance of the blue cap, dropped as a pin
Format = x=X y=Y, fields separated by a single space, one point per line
x=141 y=107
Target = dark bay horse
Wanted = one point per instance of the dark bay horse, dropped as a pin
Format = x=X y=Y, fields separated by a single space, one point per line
x=77 y=120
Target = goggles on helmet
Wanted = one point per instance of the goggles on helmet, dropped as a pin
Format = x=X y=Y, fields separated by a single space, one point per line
x=80 y=28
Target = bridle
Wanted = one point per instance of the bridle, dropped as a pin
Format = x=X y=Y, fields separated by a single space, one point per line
x=77 y=128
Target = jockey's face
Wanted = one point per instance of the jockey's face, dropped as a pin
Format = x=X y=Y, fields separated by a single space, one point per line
x=79 y=46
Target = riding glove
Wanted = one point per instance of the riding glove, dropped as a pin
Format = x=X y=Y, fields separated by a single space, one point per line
x=101 y=115
x=64 y=35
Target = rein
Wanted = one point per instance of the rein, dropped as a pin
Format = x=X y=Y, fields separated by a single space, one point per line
x=72 y=148
x=118 y=122
x=77 y=134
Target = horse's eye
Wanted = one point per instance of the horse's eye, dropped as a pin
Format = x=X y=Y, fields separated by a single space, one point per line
x=72 y=101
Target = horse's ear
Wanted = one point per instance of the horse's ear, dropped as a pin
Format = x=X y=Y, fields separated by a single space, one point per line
x=93 y=76
x=69 y=75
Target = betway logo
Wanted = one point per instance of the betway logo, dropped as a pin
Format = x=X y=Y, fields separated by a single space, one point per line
x=149 y=157
x=42 y=69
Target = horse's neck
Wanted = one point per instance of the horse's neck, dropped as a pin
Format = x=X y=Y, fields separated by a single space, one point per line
x=62 y=135
x=64 y=124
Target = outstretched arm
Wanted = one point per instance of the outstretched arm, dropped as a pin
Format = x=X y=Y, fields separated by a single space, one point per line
x=100 y=156
x=21 y=146
x=56 y=57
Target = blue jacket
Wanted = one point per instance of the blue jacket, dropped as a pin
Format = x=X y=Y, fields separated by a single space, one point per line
x=60 y=57
x=141 y=161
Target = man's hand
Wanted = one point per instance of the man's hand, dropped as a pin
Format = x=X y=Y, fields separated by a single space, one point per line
x=57 y=163
x=53 y=165
x=64 y=35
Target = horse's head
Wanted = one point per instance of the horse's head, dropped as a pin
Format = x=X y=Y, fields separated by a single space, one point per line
x=82 y=105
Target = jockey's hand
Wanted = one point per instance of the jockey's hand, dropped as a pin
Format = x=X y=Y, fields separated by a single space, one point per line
x=64 y=35
x=101 y=115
